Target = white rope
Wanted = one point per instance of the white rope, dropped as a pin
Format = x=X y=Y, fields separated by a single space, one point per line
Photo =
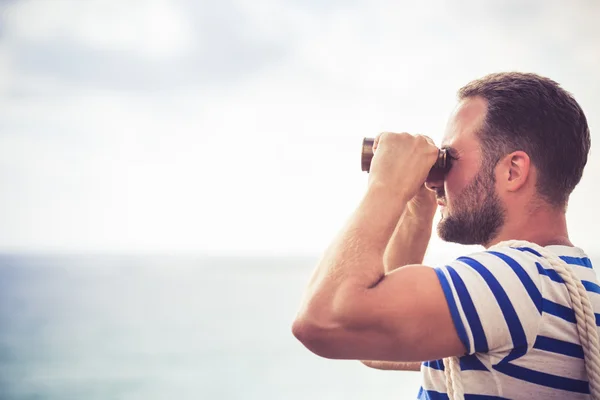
x=584 y=316
x=453 y=380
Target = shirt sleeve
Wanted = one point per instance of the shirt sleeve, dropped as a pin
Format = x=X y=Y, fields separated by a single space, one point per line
x=495 y=300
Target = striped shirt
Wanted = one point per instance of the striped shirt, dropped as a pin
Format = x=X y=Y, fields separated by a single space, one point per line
x=512 y=311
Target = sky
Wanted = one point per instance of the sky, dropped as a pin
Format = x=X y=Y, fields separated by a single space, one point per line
x=235 y=126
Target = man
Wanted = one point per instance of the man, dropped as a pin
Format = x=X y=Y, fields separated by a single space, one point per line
x=519 y=144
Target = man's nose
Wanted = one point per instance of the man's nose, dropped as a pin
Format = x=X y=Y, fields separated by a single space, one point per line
x=435 y=182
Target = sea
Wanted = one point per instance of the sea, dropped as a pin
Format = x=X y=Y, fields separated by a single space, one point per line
x=126 y=327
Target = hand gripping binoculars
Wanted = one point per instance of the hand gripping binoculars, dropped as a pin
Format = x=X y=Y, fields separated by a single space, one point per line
x=438 y=171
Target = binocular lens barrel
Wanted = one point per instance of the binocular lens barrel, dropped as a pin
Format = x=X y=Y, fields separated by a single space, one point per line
x=440 y=168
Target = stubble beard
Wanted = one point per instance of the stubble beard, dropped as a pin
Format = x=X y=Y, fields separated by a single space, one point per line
x=477 y=214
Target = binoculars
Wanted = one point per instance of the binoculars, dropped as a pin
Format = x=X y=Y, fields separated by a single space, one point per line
x=438 y=171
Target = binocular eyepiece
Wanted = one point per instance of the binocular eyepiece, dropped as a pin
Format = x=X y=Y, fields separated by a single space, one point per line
x=438 y=171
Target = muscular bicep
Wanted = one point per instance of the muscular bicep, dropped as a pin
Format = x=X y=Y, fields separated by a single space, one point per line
x=408 y=311
x=404 y=317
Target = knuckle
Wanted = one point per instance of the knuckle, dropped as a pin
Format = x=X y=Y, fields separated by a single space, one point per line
x=386 y=137
x=424 y=139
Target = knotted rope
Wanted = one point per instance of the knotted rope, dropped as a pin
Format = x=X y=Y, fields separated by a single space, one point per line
x=584 y=316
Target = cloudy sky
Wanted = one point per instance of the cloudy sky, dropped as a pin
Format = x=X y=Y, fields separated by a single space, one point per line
x=235 y=125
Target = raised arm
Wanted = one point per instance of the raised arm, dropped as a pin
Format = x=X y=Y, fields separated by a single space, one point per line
x=407 y=246
x=409 y=241
x=352 y=308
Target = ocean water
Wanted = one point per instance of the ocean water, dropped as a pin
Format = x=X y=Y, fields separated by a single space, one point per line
x=135 y=327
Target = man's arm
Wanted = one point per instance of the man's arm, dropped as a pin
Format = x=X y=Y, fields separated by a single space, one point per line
x=393 y=366
x=408 y=246
x=411 y=236
x=352 y=309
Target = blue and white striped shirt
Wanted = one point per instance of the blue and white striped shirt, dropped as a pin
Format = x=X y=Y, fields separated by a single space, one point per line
x=513 y=313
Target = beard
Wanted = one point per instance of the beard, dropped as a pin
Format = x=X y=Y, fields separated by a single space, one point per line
x=477 y=213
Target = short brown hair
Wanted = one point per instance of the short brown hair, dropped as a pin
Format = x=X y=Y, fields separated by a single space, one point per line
x=534 y=114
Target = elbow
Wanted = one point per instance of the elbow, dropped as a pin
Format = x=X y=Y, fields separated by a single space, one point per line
x=318 y=338
x=301 y=331
x=309 y=335
x=329 y=329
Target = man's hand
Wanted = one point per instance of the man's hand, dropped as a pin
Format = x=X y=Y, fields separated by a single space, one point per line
x=402 y=161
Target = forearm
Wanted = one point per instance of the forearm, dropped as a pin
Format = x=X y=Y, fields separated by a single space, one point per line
x=393 y=366
x=353 y=262
x=408 y=242
x=407 y=246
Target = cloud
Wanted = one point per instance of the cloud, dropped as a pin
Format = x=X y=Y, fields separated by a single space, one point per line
x=219 y=125
x=137 y=45
x=153 y=28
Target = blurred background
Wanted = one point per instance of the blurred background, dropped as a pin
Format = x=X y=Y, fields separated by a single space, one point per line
x=171 y=170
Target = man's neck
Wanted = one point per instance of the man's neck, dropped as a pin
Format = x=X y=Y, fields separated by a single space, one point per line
x=544 y=226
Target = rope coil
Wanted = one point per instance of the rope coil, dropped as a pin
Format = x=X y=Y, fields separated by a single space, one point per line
x=584 y=316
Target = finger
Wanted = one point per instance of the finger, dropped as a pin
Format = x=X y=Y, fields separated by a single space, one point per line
x=376 y=142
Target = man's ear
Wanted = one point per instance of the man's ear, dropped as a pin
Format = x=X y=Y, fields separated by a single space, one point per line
x=515 y=170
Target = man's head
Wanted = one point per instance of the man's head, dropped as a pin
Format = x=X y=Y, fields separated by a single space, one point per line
x=519 y=140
